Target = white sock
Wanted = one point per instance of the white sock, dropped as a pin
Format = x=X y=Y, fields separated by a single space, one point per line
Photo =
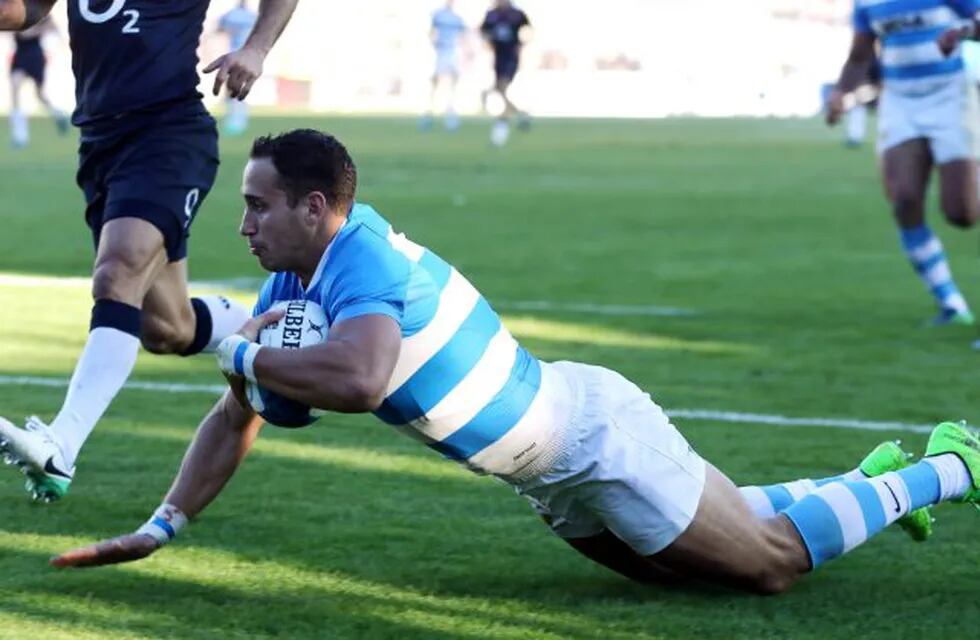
x=954 y=477
x=105 y=364
x=227 y=317
x=19 y=131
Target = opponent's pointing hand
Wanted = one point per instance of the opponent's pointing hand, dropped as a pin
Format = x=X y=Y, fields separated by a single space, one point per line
x=238 y=70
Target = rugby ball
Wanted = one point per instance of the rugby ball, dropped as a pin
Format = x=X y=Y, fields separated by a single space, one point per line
x=303 y=325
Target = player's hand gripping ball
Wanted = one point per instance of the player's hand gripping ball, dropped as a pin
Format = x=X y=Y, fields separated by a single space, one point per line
x=303 y=325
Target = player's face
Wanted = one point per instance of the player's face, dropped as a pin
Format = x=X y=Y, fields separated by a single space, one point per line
x=277 y=233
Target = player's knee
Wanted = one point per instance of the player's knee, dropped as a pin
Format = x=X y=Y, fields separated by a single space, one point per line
x=118 y=276
x=774 y=581
x=908 y=208
x=961 y=213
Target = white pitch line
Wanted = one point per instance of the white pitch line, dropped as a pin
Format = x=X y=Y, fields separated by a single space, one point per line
x=706 y=415
x=599 y=309
x=164 y=387
x=784 y=421
x=252 y=285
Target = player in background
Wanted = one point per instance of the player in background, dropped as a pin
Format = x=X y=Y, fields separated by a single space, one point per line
x=412 y=341
x=237 y=24
x=927 y=117
x=147 y=159
x=28 y=62
x=505 y=28
x=446 y=32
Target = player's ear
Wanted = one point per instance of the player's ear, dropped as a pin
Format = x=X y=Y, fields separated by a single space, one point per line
x=317 y=206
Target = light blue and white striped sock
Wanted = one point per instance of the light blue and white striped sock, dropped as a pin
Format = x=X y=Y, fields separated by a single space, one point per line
x=839 y=516
x=925 y=252
x=767 y=501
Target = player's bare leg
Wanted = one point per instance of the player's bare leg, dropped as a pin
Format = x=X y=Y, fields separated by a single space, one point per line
x=19 y=129
x=611 y=552
x=175 y=323
x=958 y=192
x=905 y=173
x=726 y=543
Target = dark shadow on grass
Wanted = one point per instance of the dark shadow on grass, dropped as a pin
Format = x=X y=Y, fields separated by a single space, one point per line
x=290 y=611
x=470 y=540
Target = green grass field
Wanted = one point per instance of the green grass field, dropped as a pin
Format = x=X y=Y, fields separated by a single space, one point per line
x=772 y=235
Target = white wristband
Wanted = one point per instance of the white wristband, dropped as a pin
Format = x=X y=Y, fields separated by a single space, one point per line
x=163 y=526
x=236 y=355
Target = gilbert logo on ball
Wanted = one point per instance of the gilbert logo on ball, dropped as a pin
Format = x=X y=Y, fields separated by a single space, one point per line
x=303 y=325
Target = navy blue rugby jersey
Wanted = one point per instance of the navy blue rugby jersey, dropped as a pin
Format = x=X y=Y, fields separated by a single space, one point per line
x=133 y=57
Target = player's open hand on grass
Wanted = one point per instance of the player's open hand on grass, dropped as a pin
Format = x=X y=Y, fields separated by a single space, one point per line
x=238 y=70
x=132 y=546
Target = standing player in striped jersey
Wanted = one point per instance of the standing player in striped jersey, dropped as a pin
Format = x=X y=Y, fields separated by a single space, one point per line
x=147 y=159
x=28 y=62
x=928 y=116
x=447 y=31
x=412 y=341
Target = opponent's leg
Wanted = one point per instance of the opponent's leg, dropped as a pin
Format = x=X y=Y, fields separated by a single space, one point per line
x=500 y=132
x=767 y=501
x=175 y=323
x=130 y=255
x=906 y=172
x=728 y=544
x=20 y=134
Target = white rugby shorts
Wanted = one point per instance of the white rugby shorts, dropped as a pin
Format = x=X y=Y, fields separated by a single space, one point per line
x=446 y=63
x=947 y=118
x=622 y=466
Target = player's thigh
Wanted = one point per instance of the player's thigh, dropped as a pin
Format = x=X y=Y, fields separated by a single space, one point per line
x=606 y=549
x=168 y=317
x=727 y=543
x=958 y=191
x=905 y=171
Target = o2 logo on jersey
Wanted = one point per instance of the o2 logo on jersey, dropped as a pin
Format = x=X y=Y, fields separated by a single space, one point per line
x=190 y=206
x=100 y=17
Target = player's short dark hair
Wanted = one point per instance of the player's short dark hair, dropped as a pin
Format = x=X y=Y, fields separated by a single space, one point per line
x=309 y=160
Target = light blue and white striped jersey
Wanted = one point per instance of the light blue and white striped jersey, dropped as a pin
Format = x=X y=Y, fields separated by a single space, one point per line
x=911 y=61
x=461 y=384
x=238 y=23
x=448 y=27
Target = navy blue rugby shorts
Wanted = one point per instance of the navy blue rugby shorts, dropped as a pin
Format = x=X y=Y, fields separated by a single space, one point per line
x=158 y=173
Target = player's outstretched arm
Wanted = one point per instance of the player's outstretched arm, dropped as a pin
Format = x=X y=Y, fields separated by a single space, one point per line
x=238 y=70
x=221 y=442
x=16 y=15
x=854 y=72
